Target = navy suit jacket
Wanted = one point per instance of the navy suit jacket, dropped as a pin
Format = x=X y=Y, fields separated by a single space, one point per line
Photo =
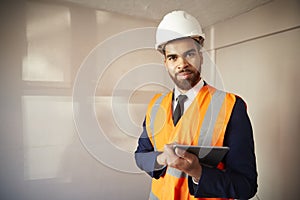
x=238 y=180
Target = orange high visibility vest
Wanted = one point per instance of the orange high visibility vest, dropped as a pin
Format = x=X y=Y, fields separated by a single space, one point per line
x=203 y=123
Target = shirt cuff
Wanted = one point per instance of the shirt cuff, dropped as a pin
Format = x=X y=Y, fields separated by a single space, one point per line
x=194 y=181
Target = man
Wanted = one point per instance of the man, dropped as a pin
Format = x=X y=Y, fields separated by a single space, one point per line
x=210 y=117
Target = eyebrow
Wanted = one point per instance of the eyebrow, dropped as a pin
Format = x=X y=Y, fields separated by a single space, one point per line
x=171 y=55
x=189 y=51
x=185 y=53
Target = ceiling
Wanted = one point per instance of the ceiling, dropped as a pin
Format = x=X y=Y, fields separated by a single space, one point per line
x=208 y=12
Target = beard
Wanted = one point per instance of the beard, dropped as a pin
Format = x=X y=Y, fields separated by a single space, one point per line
x=186 y=84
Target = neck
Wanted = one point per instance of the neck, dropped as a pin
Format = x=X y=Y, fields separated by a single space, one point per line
x=183 y=91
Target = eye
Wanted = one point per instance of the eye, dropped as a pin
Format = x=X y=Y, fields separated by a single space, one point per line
x=172 y=57
x=190 y=54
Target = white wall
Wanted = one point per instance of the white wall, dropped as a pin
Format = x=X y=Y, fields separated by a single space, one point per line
x=42 y=154
x=258 y=57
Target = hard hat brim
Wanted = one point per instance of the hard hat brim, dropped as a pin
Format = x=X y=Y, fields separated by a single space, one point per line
x=161 y=47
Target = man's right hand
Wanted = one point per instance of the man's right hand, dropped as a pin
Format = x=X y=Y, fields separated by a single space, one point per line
x=168 y=156
x=182 y=160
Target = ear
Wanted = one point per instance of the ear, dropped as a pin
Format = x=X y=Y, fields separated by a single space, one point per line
x=201 y=58
x=165 y=62
x=166 y=68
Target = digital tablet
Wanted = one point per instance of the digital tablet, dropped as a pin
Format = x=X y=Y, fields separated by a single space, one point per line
x=208 y=155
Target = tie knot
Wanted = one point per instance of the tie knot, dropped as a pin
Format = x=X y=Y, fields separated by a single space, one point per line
x=181 y=98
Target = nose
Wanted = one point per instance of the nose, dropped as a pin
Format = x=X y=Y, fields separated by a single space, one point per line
x=182 y=62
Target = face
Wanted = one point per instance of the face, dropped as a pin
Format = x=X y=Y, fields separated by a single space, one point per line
x=183 y=61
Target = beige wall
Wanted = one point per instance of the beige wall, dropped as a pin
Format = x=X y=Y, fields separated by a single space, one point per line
x=43 y=155
x=257 y=55
x=46 y=152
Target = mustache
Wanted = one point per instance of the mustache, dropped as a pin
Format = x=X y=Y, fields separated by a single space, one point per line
x=185 y=70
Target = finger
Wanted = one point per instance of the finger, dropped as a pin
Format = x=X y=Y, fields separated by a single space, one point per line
x=173 y=160
x=185 y=155
x=169 y=149
x=169 y=152
x=180 y=152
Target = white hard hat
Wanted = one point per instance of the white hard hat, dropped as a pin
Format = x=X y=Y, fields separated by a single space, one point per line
x=175 y=25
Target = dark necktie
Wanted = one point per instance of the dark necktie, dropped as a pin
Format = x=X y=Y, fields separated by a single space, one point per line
x=179 y=108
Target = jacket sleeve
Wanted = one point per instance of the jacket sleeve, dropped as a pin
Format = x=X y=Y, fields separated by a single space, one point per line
x=239 y=179
x=145 y=156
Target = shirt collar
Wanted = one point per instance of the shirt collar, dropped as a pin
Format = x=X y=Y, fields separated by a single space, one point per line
x=192 y=93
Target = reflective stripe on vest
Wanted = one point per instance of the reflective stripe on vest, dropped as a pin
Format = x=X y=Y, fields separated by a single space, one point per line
x=176 y=173
x=210 y=118
x=153 y=113
x=152 y=196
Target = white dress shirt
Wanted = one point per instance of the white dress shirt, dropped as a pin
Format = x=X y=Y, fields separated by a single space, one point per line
x=191 y=94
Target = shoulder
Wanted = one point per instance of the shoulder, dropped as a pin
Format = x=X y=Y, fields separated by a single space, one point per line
x=159 y=97
x=157 y=100
x=239 y=103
